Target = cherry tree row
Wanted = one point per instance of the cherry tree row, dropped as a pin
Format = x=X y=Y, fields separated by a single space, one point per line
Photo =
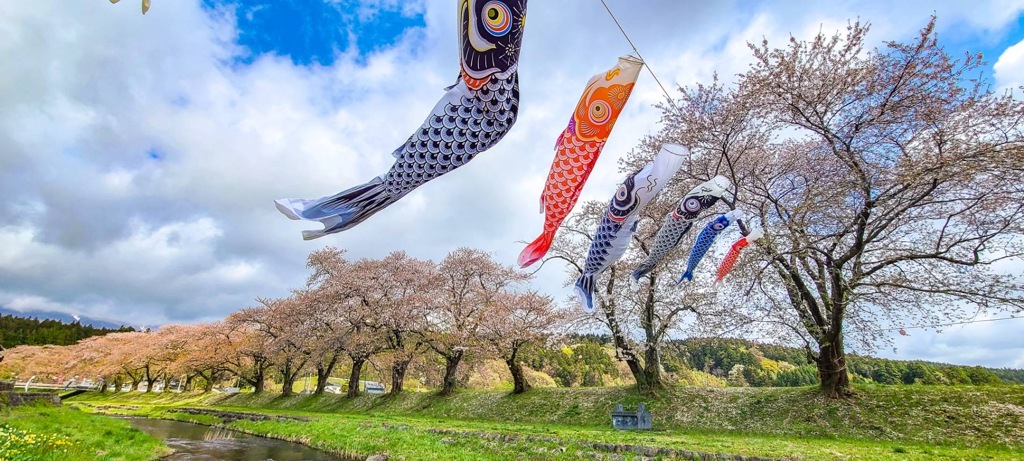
x=398 y=307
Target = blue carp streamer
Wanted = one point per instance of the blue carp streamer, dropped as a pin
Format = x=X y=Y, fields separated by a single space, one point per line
x=618 y=223
x=705 y=239
x=678 y=222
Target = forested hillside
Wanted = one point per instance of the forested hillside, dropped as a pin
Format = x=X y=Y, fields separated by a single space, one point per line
x=21 y=331
x=747 y=363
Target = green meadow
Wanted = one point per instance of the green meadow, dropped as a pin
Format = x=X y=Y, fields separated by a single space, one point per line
x=47 y=433
x=878 y=423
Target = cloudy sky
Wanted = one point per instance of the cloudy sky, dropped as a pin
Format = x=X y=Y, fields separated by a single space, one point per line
x=140 y=155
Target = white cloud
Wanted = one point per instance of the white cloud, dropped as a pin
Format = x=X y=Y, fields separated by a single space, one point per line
x=33 y=303
x=92 y=223
x=995 y=344
x=1009 y=68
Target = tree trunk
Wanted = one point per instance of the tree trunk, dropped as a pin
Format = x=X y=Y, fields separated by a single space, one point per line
x=652 y=369
x=831 y=362
x=258 y=381
x=625 y=353
x=353 y=378
x=638 y=373
x=622 y=349
x=207 y=381
x=287 y=379
x=398 y=369
x=519 y=382
x=323 y=374
x=652 y=357
x=451 y=364
x=150 y=380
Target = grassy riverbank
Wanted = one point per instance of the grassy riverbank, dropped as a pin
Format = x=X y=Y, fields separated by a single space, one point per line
x=881 y=422
x=43 y=432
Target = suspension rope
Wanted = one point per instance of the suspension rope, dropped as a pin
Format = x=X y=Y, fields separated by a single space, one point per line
x=744 y=230
x=637 y=51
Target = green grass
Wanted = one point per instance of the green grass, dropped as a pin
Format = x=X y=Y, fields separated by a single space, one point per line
x=880 y=422
x=47 y=433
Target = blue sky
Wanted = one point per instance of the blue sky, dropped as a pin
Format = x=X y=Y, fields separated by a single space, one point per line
x=315 y=31
x=959 y=39
x=140 y=155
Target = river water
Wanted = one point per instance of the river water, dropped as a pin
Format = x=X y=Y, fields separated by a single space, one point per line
x=193 y=442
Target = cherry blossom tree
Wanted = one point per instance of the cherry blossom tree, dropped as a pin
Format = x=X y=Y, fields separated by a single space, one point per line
x=43 y=362
x=286 y=329
x=409 y=286
x=329 y=293
x=202 y=352
x=640 y=316
x=251 y=351
x=470 y=282
x=888 y=182
x=520 y=319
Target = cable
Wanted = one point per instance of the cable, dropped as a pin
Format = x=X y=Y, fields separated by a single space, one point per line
x=637 y=51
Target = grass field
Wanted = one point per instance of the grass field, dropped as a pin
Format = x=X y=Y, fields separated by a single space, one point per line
x=46 y=433
x=880 y=422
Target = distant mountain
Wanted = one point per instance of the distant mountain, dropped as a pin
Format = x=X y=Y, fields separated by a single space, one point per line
x=62 y=317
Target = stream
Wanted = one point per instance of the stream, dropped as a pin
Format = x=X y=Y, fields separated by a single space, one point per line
x=194 y=442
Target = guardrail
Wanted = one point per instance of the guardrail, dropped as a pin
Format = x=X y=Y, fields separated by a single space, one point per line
x=60 y=387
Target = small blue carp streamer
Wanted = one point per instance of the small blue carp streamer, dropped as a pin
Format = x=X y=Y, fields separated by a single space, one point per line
x=705 y=239
x=678 y=222
x=475 y=113
x=619 y=221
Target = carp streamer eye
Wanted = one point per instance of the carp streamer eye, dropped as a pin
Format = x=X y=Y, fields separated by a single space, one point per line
x=624 y=202
x=497 y=18
x=622 y=194
x=691 y=205
x=600 y=112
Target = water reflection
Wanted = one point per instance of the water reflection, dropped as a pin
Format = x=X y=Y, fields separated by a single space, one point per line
x=193 y=442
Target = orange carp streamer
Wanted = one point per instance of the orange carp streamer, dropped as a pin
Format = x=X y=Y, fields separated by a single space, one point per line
x=734 y=253
x=578 y=147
